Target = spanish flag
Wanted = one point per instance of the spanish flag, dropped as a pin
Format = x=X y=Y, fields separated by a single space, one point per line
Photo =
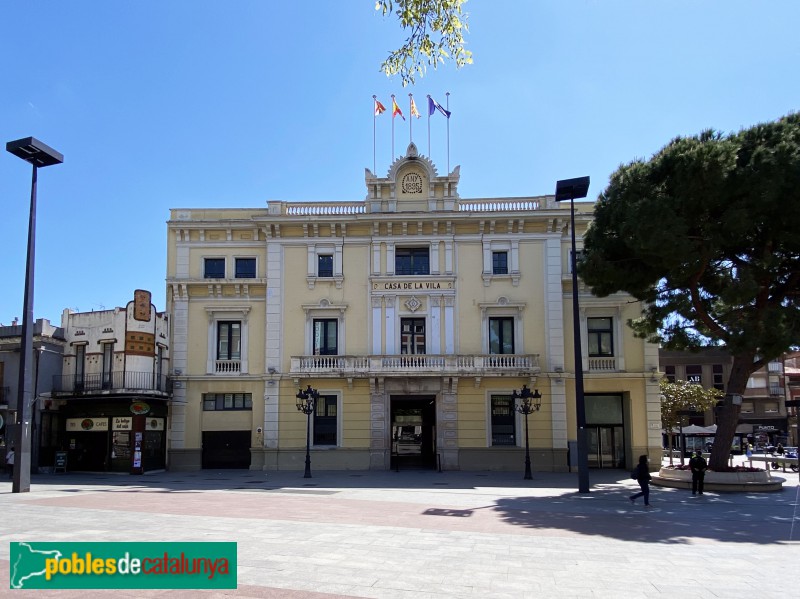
x=396 y=109
x=379 y=108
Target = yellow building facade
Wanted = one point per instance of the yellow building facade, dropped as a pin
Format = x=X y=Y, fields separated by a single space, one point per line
x=415 y=314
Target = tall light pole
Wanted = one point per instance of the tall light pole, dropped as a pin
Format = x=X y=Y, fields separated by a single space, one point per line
x=39 y=155
x=306 y=401
x=531 y=402
x=572 y=189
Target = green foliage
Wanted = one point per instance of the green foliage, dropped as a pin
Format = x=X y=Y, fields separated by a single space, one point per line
x=705 y=233
x=682 y=395
x=444 y=19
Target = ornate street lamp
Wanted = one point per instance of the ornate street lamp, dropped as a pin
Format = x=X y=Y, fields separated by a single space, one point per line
x=531 y=402
x=37 y=154
x=572 y=189
x=306 y=401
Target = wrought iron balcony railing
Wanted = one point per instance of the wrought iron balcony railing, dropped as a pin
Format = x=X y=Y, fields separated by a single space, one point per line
x=416 y=364
x=116 y=381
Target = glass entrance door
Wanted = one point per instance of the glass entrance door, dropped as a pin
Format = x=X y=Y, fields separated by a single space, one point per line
x=606 y=447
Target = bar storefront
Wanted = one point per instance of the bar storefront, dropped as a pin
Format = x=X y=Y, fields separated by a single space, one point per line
x=120 y=436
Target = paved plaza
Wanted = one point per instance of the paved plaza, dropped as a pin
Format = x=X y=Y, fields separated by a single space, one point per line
x=427 y=534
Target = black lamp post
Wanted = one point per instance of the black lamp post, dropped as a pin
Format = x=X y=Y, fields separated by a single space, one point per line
x=572 y=189
x=306 y=401
x=531 y=402
x=39 y=155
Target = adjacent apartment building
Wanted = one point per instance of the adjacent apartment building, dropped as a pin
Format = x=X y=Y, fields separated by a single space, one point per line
x=48 y=348
x=415 y=314
x=108 y=408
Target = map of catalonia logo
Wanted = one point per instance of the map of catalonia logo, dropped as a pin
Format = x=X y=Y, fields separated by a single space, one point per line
x=123 y=565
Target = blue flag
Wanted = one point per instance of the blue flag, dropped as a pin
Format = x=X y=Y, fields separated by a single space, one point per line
x=433 y=106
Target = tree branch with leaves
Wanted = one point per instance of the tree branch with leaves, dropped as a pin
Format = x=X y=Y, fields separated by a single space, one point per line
x=436 y=34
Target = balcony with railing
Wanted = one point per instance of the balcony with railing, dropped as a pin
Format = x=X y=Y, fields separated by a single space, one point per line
x=227 y=366
x=108 y=383
x=603 y=364
x=416 y=365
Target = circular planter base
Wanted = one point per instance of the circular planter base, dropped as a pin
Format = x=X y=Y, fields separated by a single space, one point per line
x=731 y=482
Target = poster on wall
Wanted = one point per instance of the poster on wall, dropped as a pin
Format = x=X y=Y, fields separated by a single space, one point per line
x=154 y=424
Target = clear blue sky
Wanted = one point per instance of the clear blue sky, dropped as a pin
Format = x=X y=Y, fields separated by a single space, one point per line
x=158 y=105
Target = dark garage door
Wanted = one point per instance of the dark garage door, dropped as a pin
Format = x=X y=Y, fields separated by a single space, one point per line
x=226 y=449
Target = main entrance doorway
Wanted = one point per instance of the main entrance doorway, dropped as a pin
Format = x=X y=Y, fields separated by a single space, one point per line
x=413 y=432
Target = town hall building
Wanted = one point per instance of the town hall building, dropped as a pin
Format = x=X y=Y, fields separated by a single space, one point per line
x=415 y=314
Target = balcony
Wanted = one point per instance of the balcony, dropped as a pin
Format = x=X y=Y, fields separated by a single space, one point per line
x=111 y=383
x=227 y=366
x=416 y=365
x=603 y=364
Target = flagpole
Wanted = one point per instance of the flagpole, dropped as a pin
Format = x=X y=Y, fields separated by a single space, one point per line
x=448 y=132
x=428 y=107
x=374 y=118
x=410 y=118
x=393 y=103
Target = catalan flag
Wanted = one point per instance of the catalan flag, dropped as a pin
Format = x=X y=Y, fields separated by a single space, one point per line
x=396 y=109
x=433 y=106
x=414 y=111
x=379 y=108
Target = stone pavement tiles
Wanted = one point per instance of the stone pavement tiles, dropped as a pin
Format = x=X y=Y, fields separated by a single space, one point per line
x=429 y=535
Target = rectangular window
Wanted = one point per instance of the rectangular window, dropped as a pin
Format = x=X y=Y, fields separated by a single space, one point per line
x=669 y=372
x=694 y=374
x=245 y=268
x=719 y=382
x=326 y=333
x=412 y=261
x=213 y=402
x=161 y=384
x=412 y=336
x=503 y=420
x=229 y=340
x=325 y=420
x=108 y=364
x=500 y=263
x=501 y=335
x=578 y=257
x=325 y=265
x=601 y=337
x=756 y=382
x=214 y=268
x=770 y=406
x=80 y=365
x=747 y=407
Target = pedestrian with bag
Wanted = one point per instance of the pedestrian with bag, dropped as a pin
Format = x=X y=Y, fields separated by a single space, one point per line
x=698 y=466
x=642 y=474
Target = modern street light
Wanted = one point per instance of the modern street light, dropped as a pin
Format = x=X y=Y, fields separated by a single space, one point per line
x=531 y=402
x=572 y=189
x=306 y=401
x=39 y=155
